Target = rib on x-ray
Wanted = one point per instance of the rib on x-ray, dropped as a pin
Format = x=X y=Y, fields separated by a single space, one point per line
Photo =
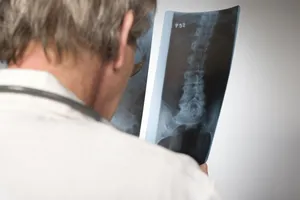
x=197 y=71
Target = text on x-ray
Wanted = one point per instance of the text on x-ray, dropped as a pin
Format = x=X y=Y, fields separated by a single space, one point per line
x=179 y=25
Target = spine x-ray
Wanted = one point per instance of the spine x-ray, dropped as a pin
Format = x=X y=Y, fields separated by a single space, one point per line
x=198 y=54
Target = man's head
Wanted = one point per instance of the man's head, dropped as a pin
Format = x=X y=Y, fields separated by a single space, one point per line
x=89 y=45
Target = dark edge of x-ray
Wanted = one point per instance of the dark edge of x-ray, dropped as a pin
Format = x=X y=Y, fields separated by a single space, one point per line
x=197 y=71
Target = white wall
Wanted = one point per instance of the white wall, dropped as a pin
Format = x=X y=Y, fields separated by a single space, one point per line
x=255 y=155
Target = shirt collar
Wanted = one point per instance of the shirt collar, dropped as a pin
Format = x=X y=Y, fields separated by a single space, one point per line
x=35 y=79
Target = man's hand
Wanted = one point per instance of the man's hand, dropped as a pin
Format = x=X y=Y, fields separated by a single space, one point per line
x=204 y=168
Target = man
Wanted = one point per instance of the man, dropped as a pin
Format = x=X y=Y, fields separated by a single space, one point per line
x=82 y=51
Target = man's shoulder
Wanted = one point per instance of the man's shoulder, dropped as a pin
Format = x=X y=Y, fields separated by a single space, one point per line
x=130 y=147
x=104 y=157
x=162 y=167
x=100 y=139
x=153 y=159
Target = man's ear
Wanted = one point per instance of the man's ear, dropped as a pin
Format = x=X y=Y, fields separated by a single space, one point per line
x=124 y=34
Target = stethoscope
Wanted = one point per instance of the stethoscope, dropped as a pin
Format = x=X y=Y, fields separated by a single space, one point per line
x=200 y=157
x=83 y=109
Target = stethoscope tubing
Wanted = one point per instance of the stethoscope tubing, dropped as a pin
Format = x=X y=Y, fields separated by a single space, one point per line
x=87 y=111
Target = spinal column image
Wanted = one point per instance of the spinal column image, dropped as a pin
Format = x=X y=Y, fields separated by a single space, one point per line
x=129 y=113
x=197 y=70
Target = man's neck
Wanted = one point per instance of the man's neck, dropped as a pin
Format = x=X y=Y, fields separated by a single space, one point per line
x=80 y=76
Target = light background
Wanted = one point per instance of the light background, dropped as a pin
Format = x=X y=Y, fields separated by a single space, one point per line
x=255 y=153
x=2 y=65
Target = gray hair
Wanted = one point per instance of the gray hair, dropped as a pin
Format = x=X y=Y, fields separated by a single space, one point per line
x=70 y=24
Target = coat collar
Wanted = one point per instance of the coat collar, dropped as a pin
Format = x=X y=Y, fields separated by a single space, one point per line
x=35 y=79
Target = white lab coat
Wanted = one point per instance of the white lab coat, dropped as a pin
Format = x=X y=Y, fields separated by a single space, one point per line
x=50 y=151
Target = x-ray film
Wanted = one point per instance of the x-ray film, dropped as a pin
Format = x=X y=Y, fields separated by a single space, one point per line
x=196 y=53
